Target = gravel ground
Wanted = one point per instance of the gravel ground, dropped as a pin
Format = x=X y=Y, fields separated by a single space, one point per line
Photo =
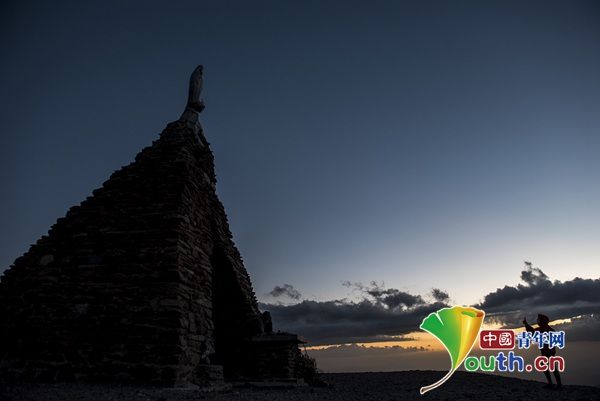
x=342 y=387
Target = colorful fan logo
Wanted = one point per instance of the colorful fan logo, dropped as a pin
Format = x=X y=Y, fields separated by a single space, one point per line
x=457 y=328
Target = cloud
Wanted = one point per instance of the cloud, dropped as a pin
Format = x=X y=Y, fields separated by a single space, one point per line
x=286 y=290
x=581 y=328
x=354 y=350
x=538 y=294
x=533 y=275
x=381 y=312
x=389 y=297
x=378 y=312
x=439 y=295
x=335 y=322
x=357 y=358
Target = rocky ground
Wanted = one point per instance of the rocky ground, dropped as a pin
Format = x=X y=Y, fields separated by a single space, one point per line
x=342 y=387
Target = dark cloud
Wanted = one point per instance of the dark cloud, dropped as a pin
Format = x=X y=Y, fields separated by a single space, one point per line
x=533 y=275
x=439 y=295
x=558 y=300
x=389 y=297
x=381 y=312
x=394 y=298
x=581 y=328
x=286 y=290
x=335 y=322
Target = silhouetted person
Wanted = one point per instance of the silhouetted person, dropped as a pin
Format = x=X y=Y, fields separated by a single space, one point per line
x=544 y=327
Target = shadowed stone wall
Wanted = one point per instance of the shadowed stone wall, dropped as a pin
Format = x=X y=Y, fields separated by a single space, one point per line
x=140 y=282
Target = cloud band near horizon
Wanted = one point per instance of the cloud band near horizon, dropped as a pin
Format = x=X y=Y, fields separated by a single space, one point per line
x=383 y=312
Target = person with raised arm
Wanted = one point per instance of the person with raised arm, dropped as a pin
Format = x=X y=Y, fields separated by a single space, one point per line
x=544 y=327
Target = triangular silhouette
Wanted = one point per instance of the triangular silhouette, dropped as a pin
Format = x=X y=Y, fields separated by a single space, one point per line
x=141 y=281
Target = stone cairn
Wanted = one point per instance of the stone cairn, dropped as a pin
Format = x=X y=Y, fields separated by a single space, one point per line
x=142 y=282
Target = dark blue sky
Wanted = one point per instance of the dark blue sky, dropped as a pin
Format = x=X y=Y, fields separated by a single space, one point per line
x=420 y=143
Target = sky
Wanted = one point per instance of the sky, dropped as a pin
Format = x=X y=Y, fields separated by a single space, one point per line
x=418 y=145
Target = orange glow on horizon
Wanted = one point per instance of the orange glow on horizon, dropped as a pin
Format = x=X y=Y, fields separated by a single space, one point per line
x=422 y=339
x=414 y=339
